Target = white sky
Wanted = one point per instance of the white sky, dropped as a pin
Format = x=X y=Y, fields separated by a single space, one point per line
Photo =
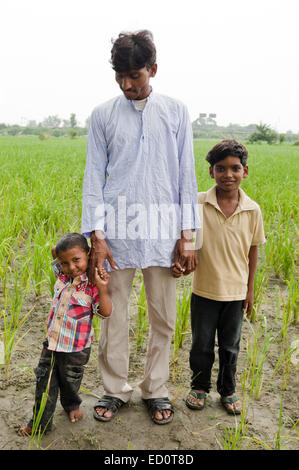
x=236 y=58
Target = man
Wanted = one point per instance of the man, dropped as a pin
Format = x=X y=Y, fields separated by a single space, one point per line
x=139 y=208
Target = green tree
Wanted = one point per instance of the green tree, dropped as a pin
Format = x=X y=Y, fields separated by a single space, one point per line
x=51 y=121
x=73 y=120
x=263 y=133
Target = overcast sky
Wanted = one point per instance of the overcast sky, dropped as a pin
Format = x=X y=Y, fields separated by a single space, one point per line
x=236 y=58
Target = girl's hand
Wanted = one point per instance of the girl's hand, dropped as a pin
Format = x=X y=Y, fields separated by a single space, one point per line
x=101 y=277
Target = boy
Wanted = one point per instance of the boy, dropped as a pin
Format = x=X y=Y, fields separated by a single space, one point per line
x=223 y=281
x=69 y=329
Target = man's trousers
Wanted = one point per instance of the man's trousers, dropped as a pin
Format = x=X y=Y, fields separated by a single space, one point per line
x=160 y=289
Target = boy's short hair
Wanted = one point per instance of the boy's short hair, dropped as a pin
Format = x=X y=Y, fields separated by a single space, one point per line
x=70 y=240
x=133 y=51
x=225 y=148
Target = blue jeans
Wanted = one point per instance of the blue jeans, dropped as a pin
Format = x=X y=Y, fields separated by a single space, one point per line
x=207 y=318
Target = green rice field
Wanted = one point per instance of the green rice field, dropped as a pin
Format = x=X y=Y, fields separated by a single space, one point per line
x=40 y=200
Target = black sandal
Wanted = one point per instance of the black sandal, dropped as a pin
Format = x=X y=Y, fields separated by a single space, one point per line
x=110 y=403
x=159 y=404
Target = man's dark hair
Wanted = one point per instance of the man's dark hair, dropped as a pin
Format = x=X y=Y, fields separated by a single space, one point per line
x=133 y=51
x=227 y=148
x=70 y=240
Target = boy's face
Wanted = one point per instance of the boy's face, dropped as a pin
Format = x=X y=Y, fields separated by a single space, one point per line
x=73 y=262
x=135 y=83
x=228 y=173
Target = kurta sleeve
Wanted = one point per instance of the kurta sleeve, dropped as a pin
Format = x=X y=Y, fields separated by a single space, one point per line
x=187 y=177
x=93 y=210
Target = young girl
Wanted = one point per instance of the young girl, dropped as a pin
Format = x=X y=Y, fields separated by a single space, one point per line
x=69 y=330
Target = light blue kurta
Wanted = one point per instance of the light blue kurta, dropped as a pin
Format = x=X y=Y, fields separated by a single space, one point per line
x=140 y=169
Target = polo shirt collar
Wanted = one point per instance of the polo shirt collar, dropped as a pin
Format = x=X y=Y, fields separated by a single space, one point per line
x=245 y=203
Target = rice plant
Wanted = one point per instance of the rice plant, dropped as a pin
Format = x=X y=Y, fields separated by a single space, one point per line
x=182 y=325
x=96 y=323
x=37 y=432
x=292 y=304
x=257 y=348
x=10 y=336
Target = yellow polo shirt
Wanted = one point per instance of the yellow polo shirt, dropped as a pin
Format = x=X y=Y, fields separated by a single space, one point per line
x=222 y=270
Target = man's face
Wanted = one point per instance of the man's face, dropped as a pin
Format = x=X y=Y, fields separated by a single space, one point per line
x=135 y=83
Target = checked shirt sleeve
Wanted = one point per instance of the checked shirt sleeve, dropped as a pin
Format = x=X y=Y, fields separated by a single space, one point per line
x=56 y=267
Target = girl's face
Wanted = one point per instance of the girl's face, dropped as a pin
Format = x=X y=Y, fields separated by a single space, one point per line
x=74 y=261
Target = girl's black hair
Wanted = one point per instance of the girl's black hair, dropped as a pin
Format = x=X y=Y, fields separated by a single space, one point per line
x=133 y=51
x=225 y=148
x=70 y=240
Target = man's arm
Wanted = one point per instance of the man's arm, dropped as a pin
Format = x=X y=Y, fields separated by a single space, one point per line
x=184 y=254
x=93 y=208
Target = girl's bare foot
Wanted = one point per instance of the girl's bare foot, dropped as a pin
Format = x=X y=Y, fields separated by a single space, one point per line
x=75 y=415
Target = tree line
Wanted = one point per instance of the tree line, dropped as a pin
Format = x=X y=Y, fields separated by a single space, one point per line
x=51 y=126
x=204 y=127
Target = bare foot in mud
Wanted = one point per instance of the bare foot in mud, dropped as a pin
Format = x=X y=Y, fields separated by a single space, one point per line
x=75 y=415
x=25 y=431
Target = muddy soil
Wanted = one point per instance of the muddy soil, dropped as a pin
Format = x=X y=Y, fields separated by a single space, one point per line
x=132 y=427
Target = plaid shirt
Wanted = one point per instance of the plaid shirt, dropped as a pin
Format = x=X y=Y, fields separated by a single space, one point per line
x=70 y=321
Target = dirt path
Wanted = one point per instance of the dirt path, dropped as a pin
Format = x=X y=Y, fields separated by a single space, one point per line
x=132 y=428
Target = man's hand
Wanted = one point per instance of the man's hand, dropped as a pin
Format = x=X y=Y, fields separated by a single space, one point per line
x=185 y=259
x=98 y=254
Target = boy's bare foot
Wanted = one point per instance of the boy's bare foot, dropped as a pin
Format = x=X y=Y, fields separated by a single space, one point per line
x=25 y=431
x=75 y=415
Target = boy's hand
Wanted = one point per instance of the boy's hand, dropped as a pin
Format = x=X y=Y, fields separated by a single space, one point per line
x=101 y=277
x=177 y=269
x=248 y=303
x=53 y=250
